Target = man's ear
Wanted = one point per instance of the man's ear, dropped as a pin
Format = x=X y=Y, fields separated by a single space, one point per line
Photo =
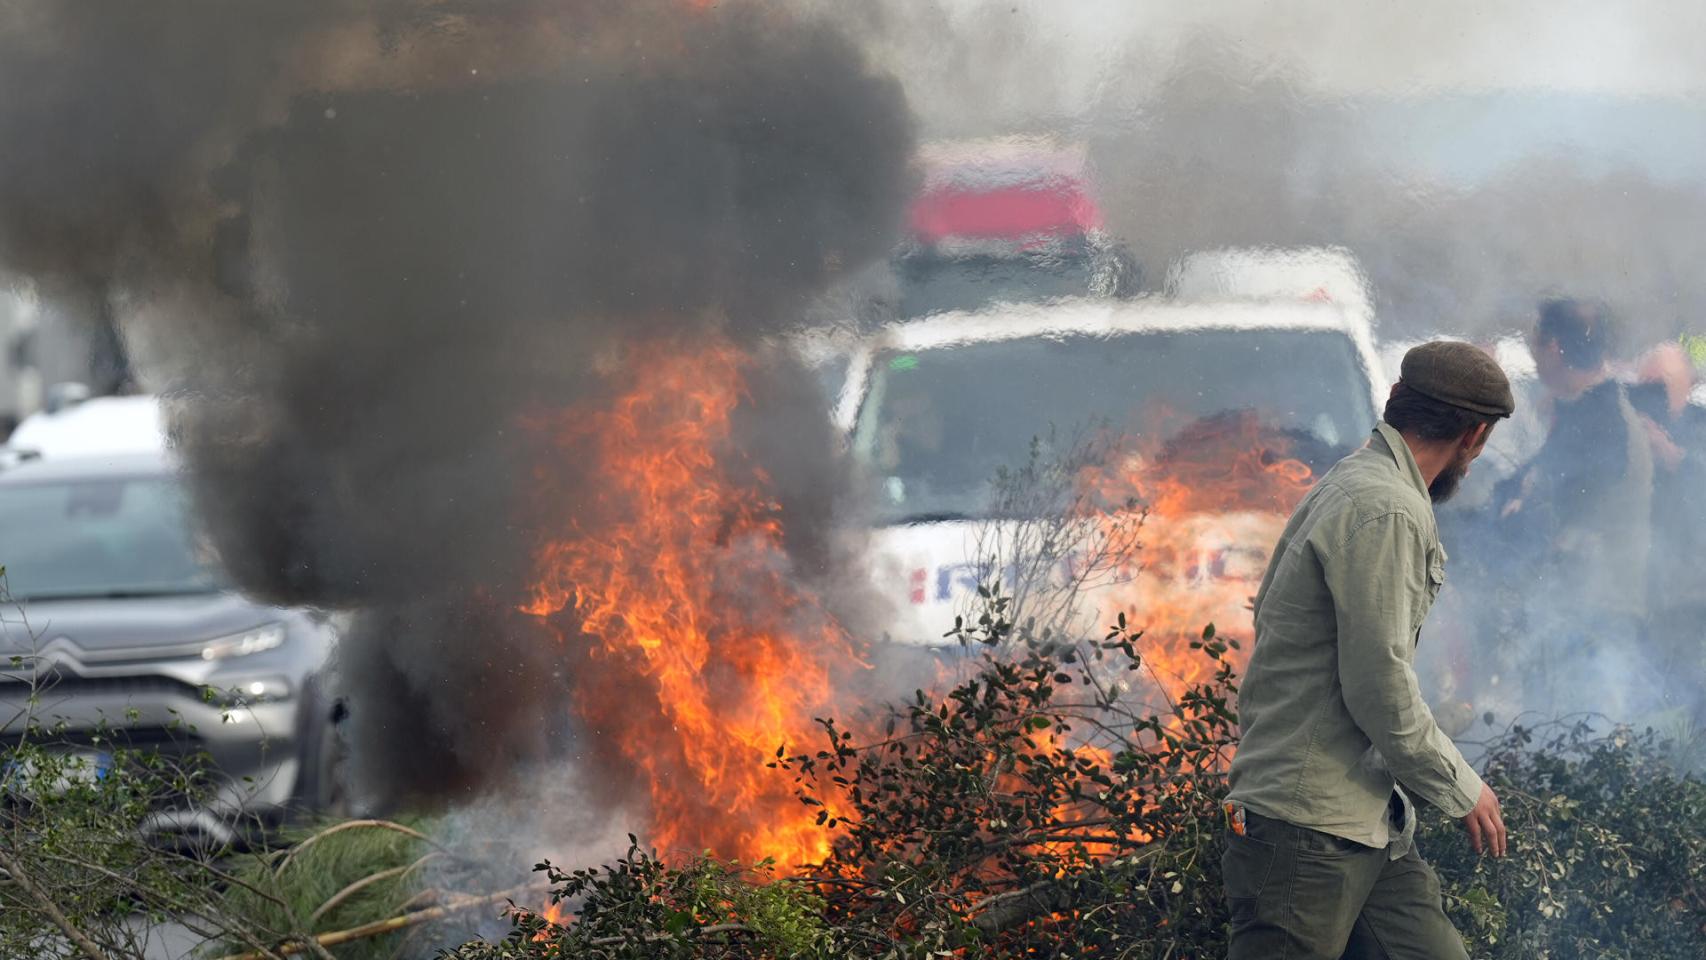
x=1476 y=436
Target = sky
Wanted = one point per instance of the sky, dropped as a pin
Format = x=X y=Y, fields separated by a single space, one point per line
x=1451 y=89
x=1640 y=48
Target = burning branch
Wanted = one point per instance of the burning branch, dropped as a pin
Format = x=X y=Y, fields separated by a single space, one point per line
x=1003 y=911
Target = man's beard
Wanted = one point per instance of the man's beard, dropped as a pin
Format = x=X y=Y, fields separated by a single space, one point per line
x=1445 y=485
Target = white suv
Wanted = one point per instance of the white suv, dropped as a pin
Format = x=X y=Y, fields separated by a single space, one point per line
x=936 y=408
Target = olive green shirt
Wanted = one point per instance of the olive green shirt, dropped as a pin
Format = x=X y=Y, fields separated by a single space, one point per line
x=1332 y=716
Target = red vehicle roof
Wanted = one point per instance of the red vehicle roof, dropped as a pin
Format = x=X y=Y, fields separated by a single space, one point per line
x=1050 y=208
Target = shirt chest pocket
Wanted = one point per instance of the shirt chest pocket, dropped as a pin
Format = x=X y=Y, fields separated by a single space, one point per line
x=1434 y=580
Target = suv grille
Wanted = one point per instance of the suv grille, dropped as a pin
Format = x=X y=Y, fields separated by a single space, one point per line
x=55 y=685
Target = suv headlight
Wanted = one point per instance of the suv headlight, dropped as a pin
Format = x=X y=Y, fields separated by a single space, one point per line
x=264 y=637
x=247 y=691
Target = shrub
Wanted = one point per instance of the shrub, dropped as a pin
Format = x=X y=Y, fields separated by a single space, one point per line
x=1607 y=849
x=1042 y=807
x=332 y=877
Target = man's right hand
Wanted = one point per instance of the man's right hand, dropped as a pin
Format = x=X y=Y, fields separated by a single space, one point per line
x=1486 y=827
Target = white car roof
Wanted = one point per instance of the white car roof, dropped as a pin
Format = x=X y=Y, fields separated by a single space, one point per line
x=96 y=427
x=1101 y=317
x=1330 y=274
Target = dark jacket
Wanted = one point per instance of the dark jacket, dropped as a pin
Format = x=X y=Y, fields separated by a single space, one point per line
x=1587 y=503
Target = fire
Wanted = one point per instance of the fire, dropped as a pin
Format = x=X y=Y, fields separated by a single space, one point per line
x=702 y=656
x=1217 y=497
x=695 y=652
x=556 y=914
x=1222 y=464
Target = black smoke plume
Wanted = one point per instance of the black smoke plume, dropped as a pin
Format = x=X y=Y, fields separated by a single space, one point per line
x=357 y=244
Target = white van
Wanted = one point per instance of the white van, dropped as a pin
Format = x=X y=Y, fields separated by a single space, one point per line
x=936 y=408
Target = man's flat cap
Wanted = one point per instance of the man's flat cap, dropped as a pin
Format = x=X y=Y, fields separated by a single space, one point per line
x=1460 y=374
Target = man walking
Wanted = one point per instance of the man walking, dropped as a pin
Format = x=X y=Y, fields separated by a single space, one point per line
x=1320 y=860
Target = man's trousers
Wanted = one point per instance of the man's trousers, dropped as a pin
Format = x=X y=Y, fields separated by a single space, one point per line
x=1299 y=894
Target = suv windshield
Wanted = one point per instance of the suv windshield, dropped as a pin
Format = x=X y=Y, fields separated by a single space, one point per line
x=937 y=425
x=101 y=537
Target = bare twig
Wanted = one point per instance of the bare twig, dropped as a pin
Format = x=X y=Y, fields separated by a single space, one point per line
x=362 y=884
x=218 y=874
x=80 y=939
x=225 y=925
x=380 y=927
x=351 y=825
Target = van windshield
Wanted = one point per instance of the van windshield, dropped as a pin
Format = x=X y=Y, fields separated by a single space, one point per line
x=936 y=425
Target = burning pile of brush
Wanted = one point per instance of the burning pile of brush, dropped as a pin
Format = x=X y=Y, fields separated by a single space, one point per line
x=697 y=650
x=1003 y=813
x=1023 y=809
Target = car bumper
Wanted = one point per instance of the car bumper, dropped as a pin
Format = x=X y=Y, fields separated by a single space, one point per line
x=253 y=749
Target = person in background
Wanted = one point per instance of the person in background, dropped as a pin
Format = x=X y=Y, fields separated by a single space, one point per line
x=1664 y=379
x=1677 y=594
x=1320 y=860
x=1579 y=516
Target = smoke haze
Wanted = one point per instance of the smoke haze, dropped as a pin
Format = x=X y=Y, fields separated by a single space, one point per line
x=391 y=230
x=1470 y=157
x=390 y=233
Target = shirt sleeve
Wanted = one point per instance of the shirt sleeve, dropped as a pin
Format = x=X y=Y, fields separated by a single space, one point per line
x=1379 y=581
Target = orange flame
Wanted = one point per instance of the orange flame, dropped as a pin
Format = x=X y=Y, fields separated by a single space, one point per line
x=696 y=654
x=1217 y=497
x=556 y=914
x=703 y=655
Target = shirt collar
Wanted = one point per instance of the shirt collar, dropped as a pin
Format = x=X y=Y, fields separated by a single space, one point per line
x=1386 y=435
